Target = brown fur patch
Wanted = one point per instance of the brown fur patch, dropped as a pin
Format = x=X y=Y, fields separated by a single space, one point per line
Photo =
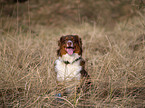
x=76 y=42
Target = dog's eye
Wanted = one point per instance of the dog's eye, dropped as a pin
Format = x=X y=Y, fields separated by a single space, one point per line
x=63 y=41
x=75 y=41
x=66 y=38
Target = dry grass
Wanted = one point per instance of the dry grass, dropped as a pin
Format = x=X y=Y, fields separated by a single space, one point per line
x=114 y=64
x=114 y=59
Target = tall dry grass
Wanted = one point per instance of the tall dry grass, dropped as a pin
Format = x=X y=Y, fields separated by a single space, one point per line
x=114 y=60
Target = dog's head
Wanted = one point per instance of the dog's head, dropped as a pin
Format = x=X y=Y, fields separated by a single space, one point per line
x=70 y=44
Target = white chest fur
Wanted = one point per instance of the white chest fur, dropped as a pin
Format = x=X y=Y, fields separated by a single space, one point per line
x=67 y=72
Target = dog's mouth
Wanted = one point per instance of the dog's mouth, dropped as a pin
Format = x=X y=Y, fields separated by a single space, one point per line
x=69 y=50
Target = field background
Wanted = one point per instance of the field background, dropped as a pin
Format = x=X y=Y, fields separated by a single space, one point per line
x=113 y=34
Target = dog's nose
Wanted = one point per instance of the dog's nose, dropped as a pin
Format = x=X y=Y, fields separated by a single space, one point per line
x=69 y=43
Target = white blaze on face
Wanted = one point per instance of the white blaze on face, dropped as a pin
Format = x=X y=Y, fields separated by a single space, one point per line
x=70 y=43
x=69 y=50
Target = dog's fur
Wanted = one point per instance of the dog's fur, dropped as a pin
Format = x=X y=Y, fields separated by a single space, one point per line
x=70 y=66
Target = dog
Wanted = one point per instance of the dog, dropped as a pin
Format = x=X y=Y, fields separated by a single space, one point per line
x=70 y=66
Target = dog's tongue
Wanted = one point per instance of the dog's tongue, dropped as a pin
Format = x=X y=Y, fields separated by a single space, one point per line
x=69 y=51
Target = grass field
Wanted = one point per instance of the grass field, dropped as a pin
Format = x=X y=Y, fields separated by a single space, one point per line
x=115 y=60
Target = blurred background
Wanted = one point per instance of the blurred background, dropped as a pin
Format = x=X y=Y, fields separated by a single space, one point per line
x=56 y=13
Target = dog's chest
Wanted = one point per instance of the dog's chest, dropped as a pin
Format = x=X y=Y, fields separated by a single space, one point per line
x=67 y=72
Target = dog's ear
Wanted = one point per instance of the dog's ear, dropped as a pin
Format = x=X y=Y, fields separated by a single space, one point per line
x=59 y=42
x=80 y=42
